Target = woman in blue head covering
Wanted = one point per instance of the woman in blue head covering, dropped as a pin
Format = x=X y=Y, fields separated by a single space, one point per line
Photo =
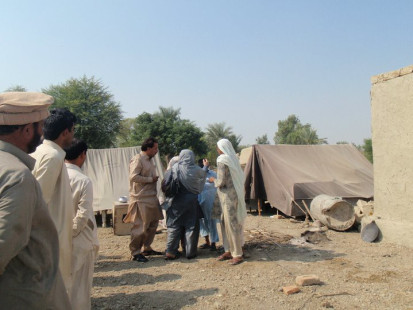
x=183 y=215
x=208 y=225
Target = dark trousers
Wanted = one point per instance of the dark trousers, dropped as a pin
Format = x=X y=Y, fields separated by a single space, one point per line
x=191 y=235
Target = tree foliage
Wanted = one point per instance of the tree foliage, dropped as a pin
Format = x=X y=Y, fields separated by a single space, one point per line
x=368 y=149
x=124 y=138
x=262 y=140
x=217 y=131
x=291 y=131
x=173 y=133
x=99 y=116
x=16 y=88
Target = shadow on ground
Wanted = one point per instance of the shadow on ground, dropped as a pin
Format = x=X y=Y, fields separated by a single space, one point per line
x=135 y=278
x=288 y=252
x=163 y=299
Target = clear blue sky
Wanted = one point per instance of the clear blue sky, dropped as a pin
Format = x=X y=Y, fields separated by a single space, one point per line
x=246 y=63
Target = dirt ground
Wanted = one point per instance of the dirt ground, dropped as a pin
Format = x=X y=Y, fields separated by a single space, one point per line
x=354 y=274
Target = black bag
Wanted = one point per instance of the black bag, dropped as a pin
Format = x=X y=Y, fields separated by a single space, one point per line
x=169 y=185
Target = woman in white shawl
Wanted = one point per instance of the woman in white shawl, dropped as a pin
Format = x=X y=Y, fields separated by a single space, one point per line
x=183 y=215
x=230 y=184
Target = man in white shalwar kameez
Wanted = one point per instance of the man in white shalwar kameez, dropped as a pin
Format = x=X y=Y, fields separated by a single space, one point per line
x=85 y=240
x=50 y=171
x=29 y=245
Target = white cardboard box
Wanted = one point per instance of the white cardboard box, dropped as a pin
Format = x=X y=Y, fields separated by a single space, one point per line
x=119 y=212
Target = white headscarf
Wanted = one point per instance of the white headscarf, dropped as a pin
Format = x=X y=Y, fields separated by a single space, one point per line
x=189 y=174
x=230 y=159
x=172 y=162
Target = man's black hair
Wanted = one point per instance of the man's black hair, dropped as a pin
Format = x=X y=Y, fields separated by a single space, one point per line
x=58 y=121
x=75 y=149
x=8 y=129
x=201 y=162
x=148 y=144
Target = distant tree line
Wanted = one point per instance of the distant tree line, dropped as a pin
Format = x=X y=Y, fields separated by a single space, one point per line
x=101 y=125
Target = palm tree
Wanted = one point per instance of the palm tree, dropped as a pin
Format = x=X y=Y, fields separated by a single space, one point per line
x=291 y=131
x=309 y=135
x=217 y=131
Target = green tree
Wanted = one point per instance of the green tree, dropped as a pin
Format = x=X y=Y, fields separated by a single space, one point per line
x=16 y=88
x=173 y=133
x=124 y=138
x=99 y=116
x=216 y=132
x=367 y=148
x=291 y=131
x=262 y=140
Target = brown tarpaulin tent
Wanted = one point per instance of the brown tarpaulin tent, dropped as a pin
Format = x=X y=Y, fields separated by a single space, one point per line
x=282 y=174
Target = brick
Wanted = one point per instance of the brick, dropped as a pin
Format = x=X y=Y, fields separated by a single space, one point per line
x=292 y=289
x=304 y=280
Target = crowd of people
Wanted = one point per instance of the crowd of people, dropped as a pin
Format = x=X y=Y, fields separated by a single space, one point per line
x=203 y=199
x=48 y=232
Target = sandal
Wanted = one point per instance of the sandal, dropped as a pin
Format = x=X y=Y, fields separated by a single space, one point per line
x=151 y=252
x=225 y=256
x=204 y=246
x=170 y=257
x=236 y=261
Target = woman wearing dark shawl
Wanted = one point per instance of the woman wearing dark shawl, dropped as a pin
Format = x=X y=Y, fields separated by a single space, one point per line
x=183 y=215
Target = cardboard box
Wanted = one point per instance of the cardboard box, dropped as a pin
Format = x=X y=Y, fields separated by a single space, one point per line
x=119 y=212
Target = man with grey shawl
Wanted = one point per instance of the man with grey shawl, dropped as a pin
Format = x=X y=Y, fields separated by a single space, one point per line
x=184 y=213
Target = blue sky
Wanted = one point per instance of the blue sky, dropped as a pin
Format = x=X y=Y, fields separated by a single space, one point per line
x=246 y=63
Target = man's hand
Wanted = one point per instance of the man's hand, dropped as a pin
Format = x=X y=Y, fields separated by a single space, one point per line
x=155 y=179
x=211 y=180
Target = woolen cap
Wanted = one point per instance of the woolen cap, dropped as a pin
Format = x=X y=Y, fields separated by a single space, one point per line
x=20 y=108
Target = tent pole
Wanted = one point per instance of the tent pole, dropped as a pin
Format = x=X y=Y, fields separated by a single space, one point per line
x=306 y=215
x=259 y=206
x=308 y=210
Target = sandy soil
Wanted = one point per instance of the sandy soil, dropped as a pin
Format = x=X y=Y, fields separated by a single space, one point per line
x=354 y=274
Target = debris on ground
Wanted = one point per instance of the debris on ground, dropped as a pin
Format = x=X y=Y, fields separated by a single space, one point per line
x=306 y=280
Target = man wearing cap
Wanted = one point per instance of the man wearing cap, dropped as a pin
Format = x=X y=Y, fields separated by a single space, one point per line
x=51 y=173
x=29 y=246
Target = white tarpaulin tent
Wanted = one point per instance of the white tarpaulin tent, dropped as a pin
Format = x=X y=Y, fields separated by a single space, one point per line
x=109 y=171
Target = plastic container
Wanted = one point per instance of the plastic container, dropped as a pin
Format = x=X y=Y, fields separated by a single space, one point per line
x=333 y=212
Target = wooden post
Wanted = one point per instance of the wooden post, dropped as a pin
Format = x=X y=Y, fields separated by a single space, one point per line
x=259 y=206
x=308 y=210
x=103 y=218
x=306 y=215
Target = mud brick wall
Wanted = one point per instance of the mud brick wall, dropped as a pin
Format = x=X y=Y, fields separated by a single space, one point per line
x=392 y=137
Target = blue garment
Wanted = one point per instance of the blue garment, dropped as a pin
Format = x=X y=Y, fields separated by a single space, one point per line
x=208 y=225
